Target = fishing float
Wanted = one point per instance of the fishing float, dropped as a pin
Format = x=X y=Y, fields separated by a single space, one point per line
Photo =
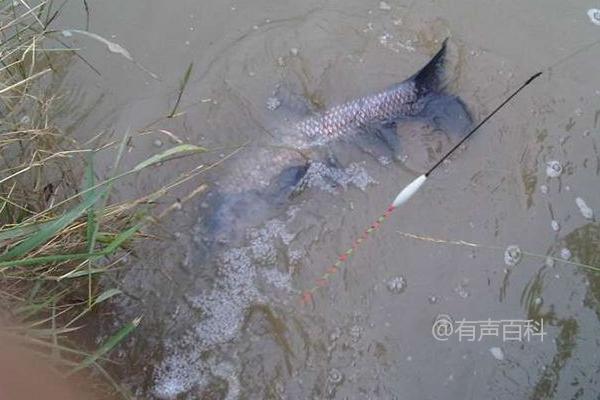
x=402 y=197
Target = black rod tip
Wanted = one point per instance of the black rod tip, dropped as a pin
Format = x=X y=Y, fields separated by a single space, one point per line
x=533 y=77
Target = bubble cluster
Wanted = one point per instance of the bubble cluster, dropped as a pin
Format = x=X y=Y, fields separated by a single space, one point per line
x=223 y=311
x=384 y=6
x=396 y=284
x=512 y=255
x=273 y=103
x=565 y=254
x=497 y=353
x=585 y=210
x=334 y=379
x=327 y=178
x=594 y=15
x=462 y=291
x=553 y=169
x=355 y=332
x=335 y=376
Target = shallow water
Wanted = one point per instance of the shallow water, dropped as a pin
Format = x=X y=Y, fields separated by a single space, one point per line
x=231 y=326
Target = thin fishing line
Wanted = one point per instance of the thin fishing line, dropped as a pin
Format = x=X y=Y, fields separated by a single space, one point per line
x=573 y=54
x=492 y=247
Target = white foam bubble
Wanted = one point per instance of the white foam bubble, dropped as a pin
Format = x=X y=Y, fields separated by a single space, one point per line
x=512 y=255
x=223 y=309
x=384 y=6
x=276 y=278
x=324 y=177
x=585 y=210
x=179 y=372
x=497 y=353
x=594 y=15
x=565 y=254
x=227 y=372
x=553 y=169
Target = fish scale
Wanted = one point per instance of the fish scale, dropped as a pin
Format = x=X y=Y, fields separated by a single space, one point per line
x=401 y=100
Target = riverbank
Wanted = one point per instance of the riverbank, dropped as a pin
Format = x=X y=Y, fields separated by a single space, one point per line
x=60 y=228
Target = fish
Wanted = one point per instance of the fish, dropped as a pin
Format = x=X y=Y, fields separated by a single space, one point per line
x=405 y=99
x=259 y=181
x=241 y=226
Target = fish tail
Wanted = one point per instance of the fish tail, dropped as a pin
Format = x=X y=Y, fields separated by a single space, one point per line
x=446 y=112
x=431 y=78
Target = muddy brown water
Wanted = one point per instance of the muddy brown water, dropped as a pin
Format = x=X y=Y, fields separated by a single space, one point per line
x=230 y=326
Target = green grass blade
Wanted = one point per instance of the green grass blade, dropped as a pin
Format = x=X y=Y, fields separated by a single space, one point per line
x=47 y=231
x=24 y=230
x=93 y=231
x=107 y=346
x=79 y=274
x=88 y=184
x=179 y=149
x=121 y=238
x=107 y=294
x=48 y=259
x=50 y=332
x=111 y=248
x=184 y=83
x=33 y=308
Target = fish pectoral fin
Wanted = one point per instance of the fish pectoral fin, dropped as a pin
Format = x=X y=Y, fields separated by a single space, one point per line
x=380 y=140
x=286 y=184
x=388 y=134
x=448 y=114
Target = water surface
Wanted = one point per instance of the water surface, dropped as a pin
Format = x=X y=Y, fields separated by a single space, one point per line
x=231 y=326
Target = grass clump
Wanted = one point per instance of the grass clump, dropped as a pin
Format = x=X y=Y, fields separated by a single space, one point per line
x=59 y=230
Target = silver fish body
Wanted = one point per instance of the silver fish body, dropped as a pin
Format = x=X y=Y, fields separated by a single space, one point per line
x=405 y=99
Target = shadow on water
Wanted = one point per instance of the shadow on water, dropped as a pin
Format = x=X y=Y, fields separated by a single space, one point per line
x=584 y=243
